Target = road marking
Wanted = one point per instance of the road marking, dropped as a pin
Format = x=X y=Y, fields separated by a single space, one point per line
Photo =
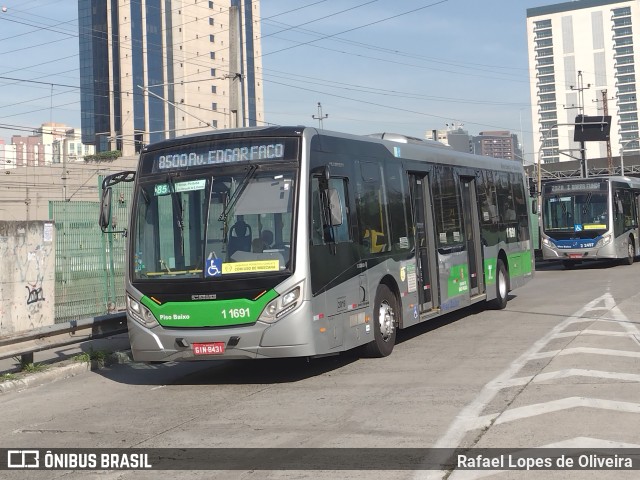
x=571 y=372
x=470 y=417
x=552 y=406
x=604 y=333
x=589 y=350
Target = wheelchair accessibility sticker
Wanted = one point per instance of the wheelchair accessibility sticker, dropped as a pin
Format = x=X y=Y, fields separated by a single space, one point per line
x=213 y=267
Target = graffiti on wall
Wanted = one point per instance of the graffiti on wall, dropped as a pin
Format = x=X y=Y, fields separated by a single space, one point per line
x=35 y=295
x=26 y=260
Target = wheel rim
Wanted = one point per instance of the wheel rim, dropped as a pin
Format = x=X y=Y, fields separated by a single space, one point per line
x=630 y=251
x=502 y=284
x=386 y=321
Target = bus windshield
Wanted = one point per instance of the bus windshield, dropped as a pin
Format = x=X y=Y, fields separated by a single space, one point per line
x=213 y=226
x=576 y=212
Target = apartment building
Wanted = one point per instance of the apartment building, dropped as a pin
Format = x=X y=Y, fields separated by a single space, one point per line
x=582 y=57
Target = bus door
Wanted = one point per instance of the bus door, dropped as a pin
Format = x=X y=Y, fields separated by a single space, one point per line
x=427 y=275
x=472 y=234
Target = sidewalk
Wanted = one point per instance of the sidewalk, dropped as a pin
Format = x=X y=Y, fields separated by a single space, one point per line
x=63 y=362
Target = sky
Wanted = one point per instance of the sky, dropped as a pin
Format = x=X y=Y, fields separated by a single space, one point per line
x=403 y=66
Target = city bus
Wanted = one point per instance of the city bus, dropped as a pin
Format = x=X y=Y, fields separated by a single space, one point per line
x=590 y=219
x=298 y=242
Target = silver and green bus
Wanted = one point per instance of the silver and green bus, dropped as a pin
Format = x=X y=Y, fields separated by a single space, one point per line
x=298 y=242
x=590 y=219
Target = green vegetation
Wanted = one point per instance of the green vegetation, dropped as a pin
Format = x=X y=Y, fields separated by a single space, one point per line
x=6 y=377
x=97 y=357
x=32 y=367
x=103 y=156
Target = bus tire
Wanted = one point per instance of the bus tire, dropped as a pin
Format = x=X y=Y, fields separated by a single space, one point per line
x=385 y=311
x=631 y=252
x=502 y=286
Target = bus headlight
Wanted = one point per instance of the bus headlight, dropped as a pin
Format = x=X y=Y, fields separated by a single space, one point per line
x=140 y=313
x=548 y=243
x=281 y=306
x=604 y=241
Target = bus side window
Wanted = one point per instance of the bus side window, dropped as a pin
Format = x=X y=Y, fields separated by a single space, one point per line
x=448 y=215
x=521 y=207
x=373 y=217
x=399 y=208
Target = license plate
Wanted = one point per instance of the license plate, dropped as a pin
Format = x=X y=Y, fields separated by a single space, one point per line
x=213 y=348
x=575 y=255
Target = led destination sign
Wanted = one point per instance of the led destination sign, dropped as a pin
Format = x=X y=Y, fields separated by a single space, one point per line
x=199 y=155
x=573 y=187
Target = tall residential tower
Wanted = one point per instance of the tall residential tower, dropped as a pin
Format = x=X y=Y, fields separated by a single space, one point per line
x=582 y=57
x=156 y=69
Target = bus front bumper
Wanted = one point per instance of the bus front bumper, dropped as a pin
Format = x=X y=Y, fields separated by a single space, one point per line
x=284 y=338
x=577 y=254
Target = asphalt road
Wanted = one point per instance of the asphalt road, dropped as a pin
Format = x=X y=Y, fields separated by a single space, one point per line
x=559 y=367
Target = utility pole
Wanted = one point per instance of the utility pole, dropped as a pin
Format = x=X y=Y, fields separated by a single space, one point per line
x=236 y=89
x=319 y=117
x=583 y=153
x=605 y=109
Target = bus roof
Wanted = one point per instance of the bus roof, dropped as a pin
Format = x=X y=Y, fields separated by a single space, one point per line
x=413 y=148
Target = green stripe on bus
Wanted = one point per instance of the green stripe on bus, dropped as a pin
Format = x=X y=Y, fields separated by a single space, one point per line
x=209 y=313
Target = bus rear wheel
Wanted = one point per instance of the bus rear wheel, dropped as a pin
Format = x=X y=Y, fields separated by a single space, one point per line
x=502 y=286
x=384 y=323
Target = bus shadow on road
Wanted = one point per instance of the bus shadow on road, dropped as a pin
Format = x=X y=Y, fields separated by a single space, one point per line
x=227 y=372
x=265 y=371
x=442 y=321
x=551 y=265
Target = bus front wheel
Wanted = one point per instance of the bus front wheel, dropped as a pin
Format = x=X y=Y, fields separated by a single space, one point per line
x=385 y=320
x=502 y=286
x=631 y=252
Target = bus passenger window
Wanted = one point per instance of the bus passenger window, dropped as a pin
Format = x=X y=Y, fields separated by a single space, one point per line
x=373 y=216
x=448 y=217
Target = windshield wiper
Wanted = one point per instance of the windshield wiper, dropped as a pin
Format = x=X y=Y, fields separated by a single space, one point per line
x=585 y=207
x=237 y=193
x=178 y=206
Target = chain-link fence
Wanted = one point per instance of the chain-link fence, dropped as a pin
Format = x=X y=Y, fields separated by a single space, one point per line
x=90 y=265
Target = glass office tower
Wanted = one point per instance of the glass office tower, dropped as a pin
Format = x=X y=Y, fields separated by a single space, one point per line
x=156 y=69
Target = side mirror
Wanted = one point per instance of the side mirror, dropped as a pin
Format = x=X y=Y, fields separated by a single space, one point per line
x=105 y=209
x=335 y=207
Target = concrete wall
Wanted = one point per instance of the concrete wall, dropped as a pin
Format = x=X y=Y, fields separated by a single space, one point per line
x=27 y=276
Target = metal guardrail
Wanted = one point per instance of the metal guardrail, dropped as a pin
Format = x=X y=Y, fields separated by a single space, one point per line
x=25 y=344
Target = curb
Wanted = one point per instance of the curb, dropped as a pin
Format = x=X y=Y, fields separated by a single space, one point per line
x=50 y=375
x=55 y=372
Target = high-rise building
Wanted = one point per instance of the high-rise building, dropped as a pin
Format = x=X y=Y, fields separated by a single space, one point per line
x=156 y=69
x=498 y=144
x=582 y=57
